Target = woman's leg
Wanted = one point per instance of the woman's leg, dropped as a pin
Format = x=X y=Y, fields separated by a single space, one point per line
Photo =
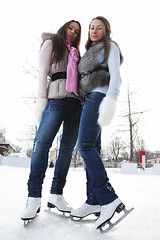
x=68 y=141
x=49 y=126
x=91 y=199
x=88 y=136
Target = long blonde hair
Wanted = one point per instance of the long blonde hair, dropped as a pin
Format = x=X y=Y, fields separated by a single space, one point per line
x=106 y=39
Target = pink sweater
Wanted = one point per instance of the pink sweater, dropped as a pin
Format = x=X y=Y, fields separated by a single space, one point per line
x=44 y=67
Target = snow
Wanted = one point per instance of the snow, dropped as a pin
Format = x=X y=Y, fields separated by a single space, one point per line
x=140 y=191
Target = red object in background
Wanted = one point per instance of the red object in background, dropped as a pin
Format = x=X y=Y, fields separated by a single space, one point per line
x=142 y=159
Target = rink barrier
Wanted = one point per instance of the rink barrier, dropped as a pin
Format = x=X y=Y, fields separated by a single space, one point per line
x=15 y=162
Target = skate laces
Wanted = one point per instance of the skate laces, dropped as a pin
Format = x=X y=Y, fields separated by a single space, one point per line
x=111 y=207
x=31 y=203
x=83 y=207
x=62 y=199
x=103 y=210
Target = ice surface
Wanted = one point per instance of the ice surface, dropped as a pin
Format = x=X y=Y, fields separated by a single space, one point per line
x=140 y=191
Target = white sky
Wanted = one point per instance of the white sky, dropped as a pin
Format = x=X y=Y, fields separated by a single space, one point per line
x=134 y=24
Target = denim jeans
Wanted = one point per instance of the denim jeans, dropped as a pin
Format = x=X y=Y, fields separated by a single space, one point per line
x=99 y=190
x=68 y=111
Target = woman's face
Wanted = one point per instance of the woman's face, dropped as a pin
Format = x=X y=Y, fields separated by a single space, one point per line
x=97 y=30
x=72 y=31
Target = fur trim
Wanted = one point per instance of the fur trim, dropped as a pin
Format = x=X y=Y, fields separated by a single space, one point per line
x=88 y=62
x=107 y=111
x=92 y=73
x=91 y=81
x=46 y=35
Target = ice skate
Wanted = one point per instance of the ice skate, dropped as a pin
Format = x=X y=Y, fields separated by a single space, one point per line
x=58 y=201
x=31 y=209
x=85 y=210
x=108 y=210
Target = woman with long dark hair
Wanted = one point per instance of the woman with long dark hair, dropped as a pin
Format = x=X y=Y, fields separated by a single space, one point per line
x=58 y=103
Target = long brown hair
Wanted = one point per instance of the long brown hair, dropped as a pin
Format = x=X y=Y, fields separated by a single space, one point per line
x=59 y=41
x=106 y=39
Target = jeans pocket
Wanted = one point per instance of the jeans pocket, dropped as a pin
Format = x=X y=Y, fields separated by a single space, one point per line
x=95 y=97
x=90 y=99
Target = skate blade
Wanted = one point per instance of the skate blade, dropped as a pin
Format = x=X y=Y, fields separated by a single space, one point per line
x=76 y=218
x=28 y=221
x=106 y=227
x=65 y=213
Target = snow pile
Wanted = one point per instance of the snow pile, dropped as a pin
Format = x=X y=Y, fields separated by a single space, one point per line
x=15 y=161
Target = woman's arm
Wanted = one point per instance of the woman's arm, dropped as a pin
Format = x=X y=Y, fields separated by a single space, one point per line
x=107 y=107
x=114 y=71
x=44 y=67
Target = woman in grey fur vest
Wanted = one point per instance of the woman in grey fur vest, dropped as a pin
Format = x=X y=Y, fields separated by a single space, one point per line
x=99 y=86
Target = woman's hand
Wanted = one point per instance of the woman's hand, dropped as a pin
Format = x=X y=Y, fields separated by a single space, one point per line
x=39 y=109
x=107 y=110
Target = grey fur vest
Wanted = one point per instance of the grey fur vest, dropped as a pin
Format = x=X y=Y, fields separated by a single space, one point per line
x=92 y=73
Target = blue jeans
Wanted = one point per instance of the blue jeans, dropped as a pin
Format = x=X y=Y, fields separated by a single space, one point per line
x=99 y=190
x=68 y=111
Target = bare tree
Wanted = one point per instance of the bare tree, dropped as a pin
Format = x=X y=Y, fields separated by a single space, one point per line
x=115 y=147
x=133 y=119
x=30 y=67
x=2 y=135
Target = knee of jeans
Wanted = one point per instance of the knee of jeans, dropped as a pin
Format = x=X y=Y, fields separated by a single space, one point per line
x=83 y=147
x=41 y=145
x=66 y=149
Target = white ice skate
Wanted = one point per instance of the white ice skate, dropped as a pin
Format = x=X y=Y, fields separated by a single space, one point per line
x=58 y=201
x=107 y=212
x=85 y=210
x=31 y=209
